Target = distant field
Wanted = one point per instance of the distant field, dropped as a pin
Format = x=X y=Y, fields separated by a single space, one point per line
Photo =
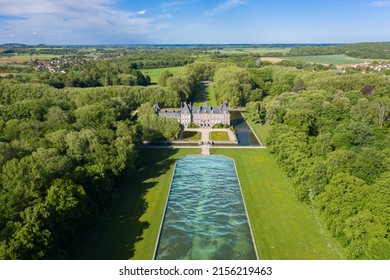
x=155 y=74
x=5 y=74
x=327 y=59
x=24 y=58
x=252 y=50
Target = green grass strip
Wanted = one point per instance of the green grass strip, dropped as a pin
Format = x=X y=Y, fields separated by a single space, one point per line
x=210 y=93
x=284 y=228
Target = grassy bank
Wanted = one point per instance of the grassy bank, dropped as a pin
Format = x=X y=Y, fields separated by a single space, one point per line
x=282 y=227
x=262 y=131
x=129 y=227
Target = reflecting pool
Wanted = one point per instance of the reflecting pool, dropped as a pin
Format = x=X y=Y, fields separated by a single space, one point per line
x=205 y=217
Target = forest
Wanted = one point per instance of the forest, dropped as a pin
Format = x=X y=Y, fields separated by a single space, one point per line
x=67 y=139
x=330 y=133
x=359 y=50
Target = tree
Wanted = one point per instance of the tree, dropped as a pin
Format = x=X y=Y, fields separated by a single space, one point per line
x=165 y=75
x=340 y=201
x=232 y=84
x=382 y=109
x=256 y=112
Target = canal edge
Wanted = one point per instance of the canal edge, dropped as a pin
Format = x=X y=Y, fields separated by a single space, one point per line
x=261 y=143
x=246 y=211
x=165 y=211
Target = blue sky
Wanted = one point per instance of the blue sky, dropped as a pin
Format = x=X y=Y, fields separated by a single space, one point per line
x=193 y=21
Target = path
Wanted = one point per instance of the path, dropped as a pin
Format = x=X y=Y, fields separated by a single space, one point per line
x=205 y=140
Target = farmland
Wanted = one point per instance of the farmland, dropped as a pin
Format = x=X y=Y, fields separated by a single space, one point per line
x=327 y=59
x=259 y=51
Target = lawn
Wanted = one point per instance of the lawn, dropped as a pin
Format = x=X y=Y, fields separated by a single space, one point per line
x=327 y=59
x=198 y=99
x=210 y=92
x=191 y=135
x=129 y=227
x=284 y=229
x=155 y=73
x=219 y=136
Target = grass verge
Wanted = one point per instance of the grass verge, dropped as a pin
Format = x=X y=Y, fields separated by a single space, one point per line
x=129 y=227
x=262 y=131
x=284 y=229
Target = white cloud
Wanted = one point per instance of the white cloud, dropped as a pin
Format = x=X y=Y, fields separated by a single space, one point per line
x=76 y=21
x=229 y=4
x=171 y=4
x=380 y=3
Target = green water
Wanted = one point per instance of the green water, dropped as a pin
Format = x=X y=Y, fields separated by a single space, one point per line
x=205 y=217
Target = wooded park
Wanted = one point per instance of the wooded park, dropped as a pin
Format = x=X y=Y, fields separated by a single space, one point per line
x=68 y=140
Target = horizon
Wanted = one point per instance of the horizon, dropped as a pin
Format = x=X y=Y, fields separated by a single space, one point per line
x=193 y=22
x=193 y=44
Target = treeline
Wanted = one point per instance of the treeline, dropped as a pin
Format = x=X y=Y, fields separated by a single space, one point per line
x=91 y=74
x=62 y=152
x=330 y=133
x=122 y=70
x=237 y=85
x=360 y=50
x=157 y=59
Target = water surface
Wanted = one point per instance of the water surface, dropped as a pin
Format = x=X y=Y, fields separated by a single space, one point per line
x=205 y=217
x=244 y=134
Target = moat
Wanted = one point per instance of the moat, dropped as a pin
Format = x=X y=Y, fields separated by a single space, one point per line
x=244 y=134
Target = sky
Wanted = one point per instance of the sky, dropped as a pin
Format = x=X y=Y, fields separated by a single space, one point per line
x=100 y=22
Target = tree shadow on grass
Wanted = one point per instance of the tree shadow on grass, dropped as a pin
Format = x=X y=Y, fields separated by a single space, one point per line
x=198 y=95
x=119 y=228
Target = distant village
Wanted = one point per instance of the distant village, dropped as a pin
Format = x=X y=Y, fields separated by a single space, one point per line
x=59 y=65
x=368 y=66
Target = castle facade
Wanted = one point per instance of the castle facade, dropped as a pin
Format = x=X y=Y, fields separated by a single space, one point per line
x=203 y=116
